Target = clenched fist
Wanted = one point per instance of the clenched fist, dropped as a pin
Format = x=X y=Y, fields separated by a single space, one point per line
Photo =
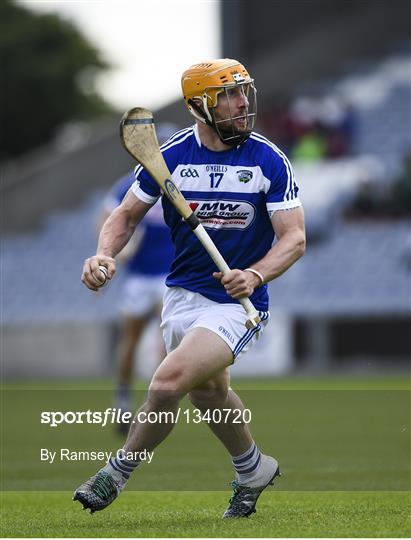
x=92 y=277
x=238 y=283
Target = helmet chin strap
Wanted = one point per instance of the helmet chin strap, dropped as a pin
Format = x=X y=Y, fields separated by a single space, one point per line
x=232 y=140
x=201 y=115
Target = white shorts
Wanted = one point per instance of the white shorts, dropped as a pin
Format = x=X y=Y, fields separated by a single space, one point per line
x=184 y=310
x=141 y=294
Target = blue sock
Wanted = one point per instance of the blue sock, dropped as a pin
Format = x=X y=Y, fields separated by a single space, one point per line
x=247 y=463
x=120 y=464
x=123 y=400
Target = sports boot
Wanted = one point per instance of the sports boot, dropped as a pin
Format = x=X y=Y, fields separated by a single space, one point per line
x=99 y=491
x=245 y=496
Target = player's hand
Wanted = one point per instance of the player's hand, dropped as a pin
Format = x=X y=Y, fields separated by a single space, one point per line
x=237 y=283
x=92 y=277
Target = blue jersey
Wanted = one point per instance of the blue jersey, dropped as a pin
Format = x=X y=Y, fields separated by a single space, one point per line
x=234 y=194
x=155 y=251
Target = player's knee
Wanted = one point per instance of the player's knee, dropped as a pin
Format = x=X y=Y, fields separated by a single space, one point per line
x=166 y=389
x=208 y=394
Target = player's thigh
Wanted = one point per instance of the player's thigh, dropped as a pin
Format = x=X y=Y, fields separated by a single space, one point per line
x=200 y=356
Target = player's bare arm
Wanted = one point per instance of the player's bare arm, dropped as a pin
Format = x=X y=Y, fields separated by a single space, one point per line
x=114 y=235
x=289 y=229
x=131 y=248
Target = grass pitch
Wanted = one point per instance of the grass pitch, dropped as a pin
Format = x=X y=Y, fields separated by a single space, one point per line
x=343 y=445
x=198 y=514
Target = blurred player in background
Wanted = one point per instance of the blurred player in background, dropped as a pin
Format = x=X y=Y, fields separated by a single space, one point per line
x=242 y=188
x=146 y=258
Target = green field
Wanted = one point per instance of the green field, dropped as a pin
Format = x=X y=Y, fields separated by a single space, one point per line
x=198 y=514
x=343 y=446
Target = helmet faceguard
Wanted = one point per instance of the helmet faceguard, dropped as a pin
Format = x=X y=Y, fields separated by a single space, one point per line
x=236 y=126
x=226 y=83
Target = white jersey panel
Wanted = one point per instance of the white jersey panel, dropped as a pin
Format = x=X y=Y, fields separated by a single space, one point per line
x=211 y=177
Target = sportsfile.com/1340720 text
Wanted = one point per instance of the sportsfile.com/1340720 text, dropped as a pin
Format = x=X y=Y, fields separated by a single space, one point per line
x=117 y=416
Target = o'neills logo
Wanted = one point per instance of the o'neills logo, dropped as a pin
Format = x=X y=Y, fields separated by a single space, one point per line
x=224 y=214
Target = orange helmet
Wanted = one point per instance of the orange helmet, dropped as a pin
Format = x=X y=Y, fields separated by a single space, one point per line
x=202 y=83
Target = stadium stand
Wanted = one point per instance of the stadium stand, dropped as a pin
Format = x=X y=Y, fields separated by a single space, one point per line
x=41 y=271
x=360 y=268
